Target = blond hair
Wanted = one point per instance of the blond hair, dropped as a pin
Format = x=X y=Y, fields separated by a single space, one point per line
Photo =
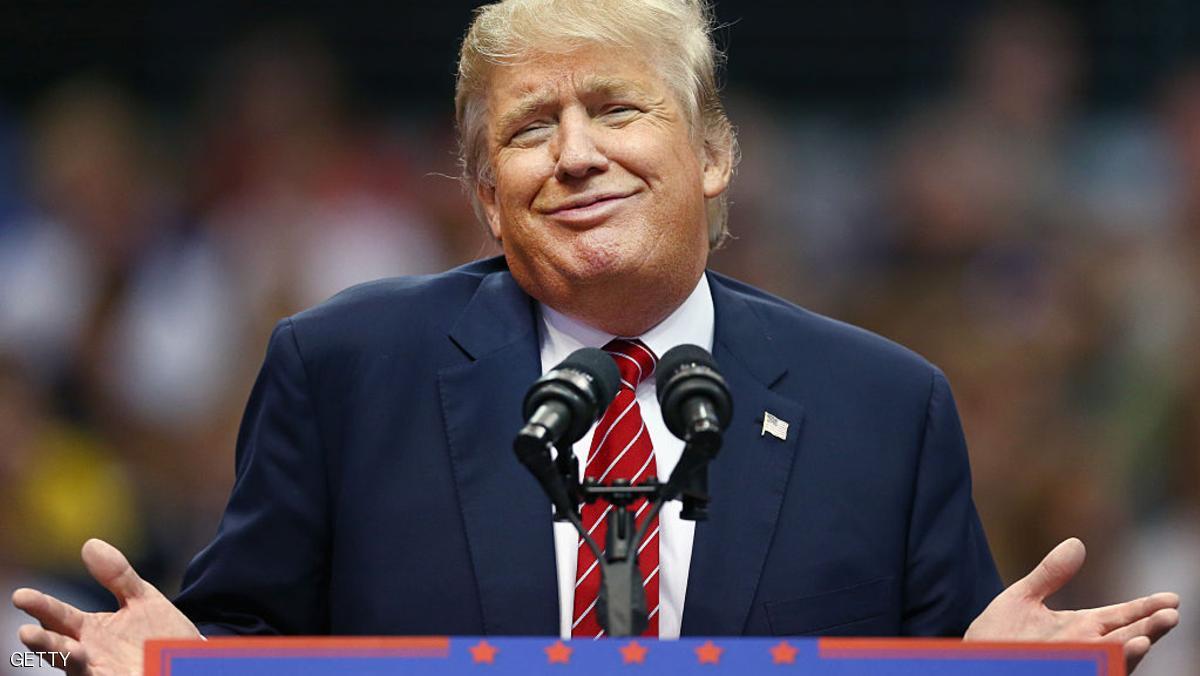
x=676 y=34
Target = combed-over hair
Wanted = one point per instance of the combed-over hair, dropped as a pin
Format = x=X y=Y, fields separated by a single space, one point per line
x=676 y=35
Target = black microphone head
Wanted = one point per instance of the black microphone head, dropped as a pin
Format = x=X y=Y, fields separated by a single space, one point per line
x=675 y=359
x=599 y=366
x=687 y=371
x=585 y=382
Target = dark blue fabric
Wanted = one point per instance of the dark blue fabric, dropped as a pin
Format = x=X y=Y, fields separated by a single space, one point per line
x=377 y=492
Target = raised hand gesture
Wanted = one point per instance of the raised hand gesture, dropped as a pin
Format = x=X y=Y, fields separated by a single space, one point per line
x=103 y=644
x=1019 y=613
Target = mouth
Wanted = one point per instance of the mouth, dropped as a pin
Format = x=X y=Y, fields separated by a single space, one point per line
x=589 y=209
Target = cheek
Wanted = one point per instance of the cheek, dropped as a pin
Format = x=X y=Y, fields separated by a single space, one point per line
x=642 y=154
x=666 y=158
x=519 y=177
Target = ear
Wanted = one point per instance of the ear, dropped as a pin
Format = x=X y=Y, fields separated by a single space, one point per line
x=718 y=164
x=486 y=194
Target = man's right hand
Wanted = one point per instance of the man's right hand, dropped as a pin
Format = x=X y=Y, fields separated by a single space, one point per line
x=103 y=644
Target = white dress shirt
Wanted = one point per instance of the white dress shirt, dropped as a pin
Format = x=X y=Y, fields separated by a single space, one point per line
x=560 y=335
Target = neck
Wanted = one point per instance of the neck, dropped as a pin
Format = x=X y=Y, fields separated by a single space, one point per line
x=621 y=311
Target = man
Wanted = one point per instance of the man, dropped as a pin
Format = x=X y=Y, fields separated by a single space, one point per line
x=376 y=490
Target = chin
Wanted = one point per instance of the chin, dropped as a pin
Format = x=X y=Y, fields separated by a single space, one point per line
x=598 y=257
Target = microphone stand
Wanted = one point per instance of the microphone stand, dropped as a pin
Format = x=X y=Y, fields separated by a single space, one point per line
x=621 y=603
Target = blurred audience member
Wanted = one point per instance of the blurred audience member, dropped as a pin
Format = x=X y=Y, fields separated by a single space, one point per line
x=1165 y=548
x=986 y=167
x=119 y=311
x=296 y=188
x=61 y=486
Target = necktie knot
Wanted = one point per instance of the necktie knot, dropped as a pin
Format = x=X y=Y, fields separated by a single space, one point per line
x=634 y=360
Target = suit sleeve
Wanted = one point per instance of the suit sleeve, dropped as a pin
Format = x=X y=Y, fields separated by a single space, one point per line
x=267 y=570
x=950 y=576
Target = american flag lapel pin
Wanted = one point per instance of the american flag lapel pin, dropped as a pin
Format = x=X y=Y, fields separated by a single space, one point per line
x=774 y=426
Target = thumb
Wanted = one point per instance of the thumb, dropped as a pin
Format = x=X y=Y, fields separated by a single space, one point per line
x=1059 y=566
x=110 y=568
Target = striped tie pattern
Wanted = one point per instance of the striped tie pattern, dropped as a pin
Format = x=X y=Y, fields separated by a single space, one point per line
x=621 y=448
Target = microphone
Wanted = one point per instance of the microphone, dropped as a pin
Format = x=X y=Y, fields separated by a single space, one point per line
x=695 y=400
x=559 y=409
x=696 y=407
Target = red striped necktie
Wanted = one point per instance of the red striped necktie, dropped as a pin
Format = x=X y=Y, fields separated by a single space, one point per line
x=621 y=448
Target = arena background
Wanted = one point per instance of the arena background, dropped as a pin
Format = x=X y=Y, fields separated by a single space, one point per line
x=1012 y=190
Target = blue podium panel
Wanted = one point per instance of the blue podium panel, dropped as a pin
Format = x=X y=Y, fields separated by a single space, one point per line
x=492 y=656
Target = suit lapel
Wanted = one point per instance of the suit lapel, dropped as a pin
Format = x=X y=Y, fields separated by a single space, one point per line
x=747 y=480
x=506 y=515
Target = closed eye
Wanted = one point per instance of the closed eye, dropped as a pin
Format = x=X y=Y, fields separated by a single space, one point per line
x=530 y=132
x=620 y=110
x=620 y=114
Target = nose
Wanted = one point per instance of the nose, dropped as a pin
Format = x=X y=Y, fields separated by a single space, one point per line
x=578 y=153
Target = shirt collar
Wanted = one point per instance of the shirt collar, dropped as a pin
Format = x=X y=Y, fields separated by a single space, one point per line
x=692 y=322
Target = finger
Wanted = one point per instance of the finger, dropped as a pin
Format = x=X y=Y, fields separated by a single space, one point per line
x=52 y=613
x=1153 y=627
x=110 y=568
x=38 y=639
x=1059 y=566
x=1122 y=614
x=1135 y=649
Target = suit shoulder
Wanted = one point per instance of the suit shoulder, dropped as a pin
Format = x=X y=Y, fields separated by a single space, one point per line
x=847 y=350
x=392 y=309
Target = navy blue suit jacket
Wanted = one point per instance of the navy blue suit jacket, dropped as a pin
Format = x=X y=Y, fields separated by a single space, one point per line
x=377 y=492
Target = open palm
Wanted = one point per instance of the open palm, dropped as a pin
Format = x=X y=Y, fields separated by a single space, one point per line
x=103 y=644
x=1019 y=613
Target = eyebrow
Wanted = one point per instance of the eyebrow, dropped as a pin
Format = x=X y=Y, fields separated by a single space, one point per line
x=592 y=85
x=526 y=107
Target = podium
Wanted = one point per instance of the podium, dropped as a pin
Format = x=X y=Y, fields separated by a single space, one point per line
x=492 y=656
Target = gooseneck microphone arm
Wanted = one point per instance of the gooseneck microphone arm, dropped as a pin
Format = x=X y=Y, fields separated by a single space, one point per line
x=563 y=404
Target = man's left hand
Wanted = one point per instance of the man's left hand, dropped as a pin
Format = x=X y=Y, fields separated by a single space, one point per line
x=1019 y=613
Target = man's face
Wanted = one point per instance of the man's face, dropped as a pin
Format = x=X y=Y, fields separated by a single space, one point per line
x=597 y=178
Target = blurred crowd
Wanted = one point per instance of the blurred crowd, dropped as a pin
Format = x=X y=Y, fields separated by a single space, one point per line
x=1044 y=253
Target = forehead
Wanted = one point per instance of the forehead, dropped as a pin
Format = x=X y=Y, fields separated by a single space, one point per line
x=593 y=70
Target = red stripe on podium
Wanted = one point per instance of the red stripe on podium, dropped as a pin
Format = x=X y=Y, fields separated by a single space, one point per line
x=1111 y=663
x=159 y=653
